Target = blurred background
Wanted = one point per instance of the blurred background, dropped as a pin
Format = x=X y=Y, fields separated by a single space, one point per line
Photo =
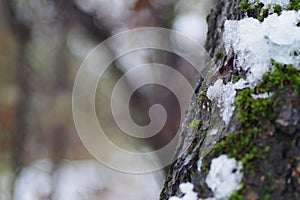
x=42 y=44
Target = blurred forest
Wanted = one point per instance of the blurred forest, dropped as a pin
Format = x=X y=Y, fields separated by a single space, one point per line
x=42 y=44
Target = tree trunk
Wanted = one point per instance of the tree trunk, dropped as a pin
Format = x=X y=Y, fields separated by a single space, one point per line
x=23 y=74
x=262 y=134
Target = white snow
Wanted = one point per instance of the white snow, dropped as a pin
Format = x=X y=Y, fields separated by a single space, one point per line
x=283 y=29
x=199 y=164
x=191 y=18
x=213 y=131
x=187 y=190
x=77 y=180
x=267 y=3
x=224 y=176
x=225 y=95
x=187 y=187
x=192 y=25
x=262 y=96
x=6 y=178
x=255 y=43
x=34 y=182
x=83 y=179
x=188 y=159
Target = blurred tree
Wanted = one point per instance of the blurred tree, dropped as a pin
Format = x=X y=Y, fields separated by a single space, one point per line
x=20 y=130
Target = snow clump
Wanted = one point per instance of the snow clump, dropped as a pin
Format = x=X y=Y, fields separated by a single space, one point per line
x=187 y=189
x=224 y=176
x=223 y=179
x=255 y=44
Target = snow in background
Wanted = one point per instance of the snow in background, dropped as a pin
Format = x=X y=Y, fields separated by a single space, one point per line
x=5 y=185
x=84 y=179
x=191 y=18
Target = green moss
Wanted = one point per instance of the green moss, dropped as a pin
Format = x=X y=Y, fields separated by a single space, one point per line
x=246 y=6
x=240 y=145
x=201 y=134
x=253 y=114
x=205 y=167
x=277 y=9
x=253 y=111
x=265 y=197
x=204 y=133
x=195 y=124
x=282 y=76
x=219 y=55
x=262 y=14
x=236 y=78
x=257 y=10
x=202 y=96
x=294 y=5
x=237 y=196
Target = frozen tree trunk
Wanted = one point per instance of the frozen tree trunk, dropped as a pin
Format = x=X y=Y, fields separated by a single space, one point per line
x=267 y=145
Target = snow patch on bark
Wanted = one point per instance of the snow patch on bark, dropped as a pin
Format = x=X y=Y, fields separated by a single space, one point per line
x=187 y=190
x=188 y=159
x=224 y=176
x=255 y=43
x=225 y=95
x=199 y=164
x=265 y=95
x=223 y=179
x=213 y=131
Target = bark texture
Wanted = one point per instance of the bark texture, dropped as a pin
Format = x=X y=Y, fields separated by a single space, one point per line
x=276 y=174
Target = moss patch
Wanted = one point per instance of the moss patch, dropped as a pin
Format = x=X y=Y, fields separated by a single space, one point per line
x=253 y=111
x=294 y=5
x=219 y=55
x=195 y=124
x=255 y=143
x=202 y=96
x=282 y=77
x=257 y=10
x=255 y=114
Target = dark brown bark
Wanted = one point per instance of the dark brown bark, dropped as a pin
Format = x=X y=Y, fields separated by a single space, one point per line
x=284 y=142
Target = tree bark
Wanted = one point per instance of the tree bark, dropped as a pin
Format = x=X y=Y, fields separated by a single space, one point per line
x=276 y=175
